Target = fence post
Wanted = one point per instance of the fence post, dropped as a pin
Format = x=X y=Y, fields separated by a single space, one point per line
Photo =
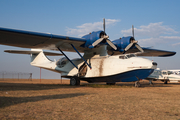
x=3 y=75
x=40 y=75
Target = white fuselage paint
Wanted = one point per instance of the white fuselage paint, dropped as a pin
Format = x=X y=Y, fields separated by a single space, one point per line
x=101 y=65
x=107 y=66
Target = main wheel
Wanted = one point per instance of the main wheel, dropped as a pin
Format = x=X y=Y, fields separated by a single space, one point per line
x=165 y=82
x=74 y=81
x=150 y=82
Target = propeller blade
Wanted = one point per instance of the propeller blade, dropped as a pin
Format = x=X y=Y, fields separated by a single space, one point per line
x=128 y=47
x=104 y=24
x=138 y=47
x=111 y=44
x=97 y=41
x=133 y=30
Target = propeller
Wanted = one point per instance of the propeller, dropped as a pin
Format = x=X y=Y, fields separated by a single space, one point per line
x=104 y=38
x=133 y=42
x=104 y=24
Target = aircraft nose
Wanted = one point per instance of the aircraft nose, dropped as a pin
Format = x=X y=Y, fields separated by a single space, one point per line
x=154 y=63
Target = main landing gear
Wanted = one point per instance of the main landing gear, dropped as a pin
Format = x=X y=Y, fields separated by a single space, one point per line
x=165 y=82
x=74 y=81
x=150 y=82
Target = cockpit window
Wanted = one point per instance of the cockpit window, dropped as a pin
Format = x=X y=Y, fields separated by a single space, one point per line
x=132 y=55
x=122 y=57
x=127 y=56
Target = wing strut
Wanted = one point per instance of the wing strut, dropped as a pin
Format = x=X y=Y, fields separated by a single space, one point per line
x=81 y=56
x=67 y=57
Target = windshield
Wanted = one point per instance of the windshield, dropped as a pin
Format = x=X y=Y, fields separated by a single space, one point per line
x=131 y=55
x=122 y=57
x=127 y=56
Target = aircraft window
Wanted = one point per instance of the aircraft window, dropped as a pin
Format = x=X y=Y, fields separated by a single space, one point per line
x=122 y=57
x=156 y=72
x=61 y=62
x=164 y=73
x=169 y=72
x=131 y=55
x=128 y=56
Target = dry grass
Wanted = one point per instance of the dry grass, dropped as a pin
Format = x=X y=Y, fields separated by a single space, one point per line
x=52 y=100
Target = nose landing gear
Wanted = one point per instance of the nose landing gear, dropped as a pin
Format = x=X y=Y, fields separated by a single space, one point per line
x=137 y=83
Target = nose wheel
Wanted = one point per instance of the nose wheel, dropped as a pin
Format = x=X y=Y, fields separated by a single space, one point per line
x=137 y=84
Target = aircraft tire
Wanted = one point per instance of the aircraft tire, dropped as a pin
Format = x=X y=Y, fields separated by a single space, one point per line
x=165 y=82
x=77 y=81
x=137 y=84
x=74 y=81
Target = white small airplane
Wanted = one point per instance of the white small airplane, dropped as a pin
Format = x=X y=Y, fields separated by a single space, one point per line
x=164 y=76
x=176 y=72
x=103 y=60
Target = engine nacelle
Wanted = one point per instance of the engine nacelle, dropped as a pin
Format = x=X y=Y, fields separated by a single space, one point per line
x=92 y=37
x=122 y=43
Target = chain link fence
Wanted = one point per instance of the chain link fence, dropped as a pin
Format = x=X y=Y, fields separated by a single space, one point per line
x=15 y=75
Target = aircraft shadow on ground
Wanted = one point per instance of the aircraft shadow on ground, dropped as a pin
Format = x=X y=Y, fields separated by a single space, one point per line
x=8 y=101
x=143 y=85
x=28 y=87
x=24 y=86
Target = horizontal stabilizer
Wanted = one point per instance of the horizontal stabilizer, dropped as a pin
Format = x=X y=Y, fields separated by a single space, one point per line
x=32 y=52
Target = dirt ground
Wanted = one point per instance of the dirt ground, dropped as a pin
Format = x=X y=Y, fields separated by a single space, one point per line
x=57 y=100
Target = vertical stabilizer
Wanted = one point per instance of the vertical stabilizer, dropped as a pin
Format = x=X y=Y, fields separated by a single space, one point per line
x=34 y=55
x=40 y=60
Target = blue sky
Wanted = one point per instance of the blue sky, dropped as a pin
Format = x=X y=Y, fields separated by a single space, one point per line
x=156 y=24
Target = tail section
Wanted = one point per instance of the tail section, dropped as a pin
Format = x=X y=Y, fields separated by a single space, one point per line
x=38 y=58
x=34 y=53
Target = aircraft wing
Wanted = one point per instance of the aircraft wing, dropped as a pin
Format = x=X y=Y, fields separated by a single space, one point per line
x=36 y=40
x=32 y=52
x=27 y=39
x=148 y=52
x=156 y=53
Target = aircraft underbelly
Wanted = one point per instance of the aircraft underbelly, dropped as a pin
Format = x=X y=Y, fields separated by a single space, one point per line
x=121 y=77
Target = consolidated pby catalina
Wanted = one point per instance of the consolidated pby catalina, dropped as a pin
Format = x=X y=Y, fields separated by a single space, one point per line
x=103 y=60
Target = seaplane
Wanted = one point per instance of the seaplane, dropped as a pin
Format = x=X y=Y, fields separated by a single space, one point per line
x=103 y=60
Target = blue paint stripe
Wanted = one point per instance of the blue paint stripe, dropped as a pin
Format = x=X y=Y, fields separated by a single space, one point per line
x=122 y=77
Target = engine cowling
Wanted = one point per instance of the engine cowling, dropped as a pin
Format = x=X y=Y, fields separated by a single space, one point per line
x=92 y=37
x=122 y=43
